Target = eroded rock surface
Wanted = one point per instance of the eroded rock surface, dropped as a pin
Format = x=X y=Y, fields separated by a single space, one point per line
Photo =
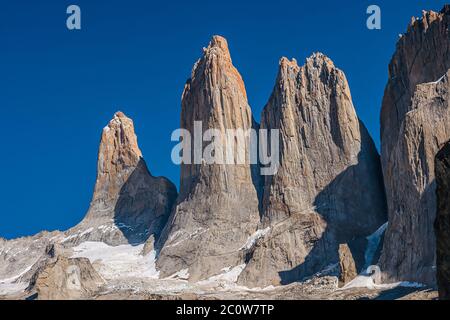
x=328 y=189
x=129 y=204
x=217 y=209
x=414 y=125
x=67 y=279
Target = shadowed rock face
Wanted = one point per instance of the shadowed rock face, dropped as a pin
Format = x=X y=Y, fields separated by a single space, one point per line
x=442 y=223
x=328 y=189
x=217 y=208
x=414 y=125
x=128 y=204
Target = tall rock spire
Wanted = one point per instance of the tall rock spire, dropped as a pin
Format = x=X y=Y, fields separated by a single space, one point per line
x=217 y=208
x=328 y=189
x=128 y=204
x=415 y=124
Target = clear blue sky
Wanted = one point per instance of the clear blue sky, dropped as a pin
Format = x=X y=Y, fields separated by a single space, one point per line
x=59 y=88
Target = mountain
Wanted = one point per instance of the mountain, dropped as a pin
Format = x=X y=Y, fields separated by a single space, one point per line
x=414 y=126
x=328 y=189
x=442 y=223
x=235 y=230
x=218 y=206
x=129 y=207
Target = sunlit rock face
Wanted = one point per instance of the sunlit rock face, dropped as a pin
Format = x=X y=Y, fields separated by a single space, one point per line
x=414 y=126
x=217 y=209
x=328 y=189
x=129 y=205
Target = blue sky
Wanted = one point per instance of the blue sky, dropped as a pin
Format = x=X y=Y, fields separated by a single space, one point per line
x=59 y=88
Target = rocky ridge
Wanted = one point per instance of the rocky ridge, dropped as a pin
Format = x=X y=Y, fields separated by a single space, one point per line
x=230 y=230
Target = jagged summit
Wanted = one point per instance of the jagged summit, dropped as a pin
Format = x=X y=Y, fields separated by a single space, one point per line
x=219 y=42
x=118 y=155
x=317 y=62
x=428 y=17
x=313 y=203
x=128 y=204
x=319 y=59
x=284 y=62
x=217 y=209
x=215 y=61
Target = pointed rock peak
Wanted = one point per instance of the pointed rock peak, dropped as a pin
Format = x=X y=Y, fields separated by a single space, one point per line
x=119 y=134
x=287 y=70
x=128 y=204
x=119 y=118
x=219 y=42
x=319 y=61
x=286 y=64
x=119 y=114
x=118 y=155
x=218 y=46
x=216 y=65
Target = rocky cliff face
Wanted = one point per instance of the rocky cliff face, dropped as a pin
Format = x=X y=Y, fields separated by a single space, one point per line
x=328 y=189
x=414 y=125
x=217 y=209
x=128 y=204
x=442 y=223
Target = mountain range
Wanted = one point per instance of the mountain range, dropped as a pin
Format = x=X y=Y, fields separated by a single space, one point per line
x=337 y=220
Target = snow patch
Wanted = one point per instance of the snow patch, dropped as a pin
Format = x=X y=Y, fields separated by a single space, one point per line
x=124 y=261
x=253 y=238
x=189 y=236
x=12 y=288
x=230 y=274
x=438 y=80
x=372 y=276
x=366 y=281
x=182 y=274
x=14 y=278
